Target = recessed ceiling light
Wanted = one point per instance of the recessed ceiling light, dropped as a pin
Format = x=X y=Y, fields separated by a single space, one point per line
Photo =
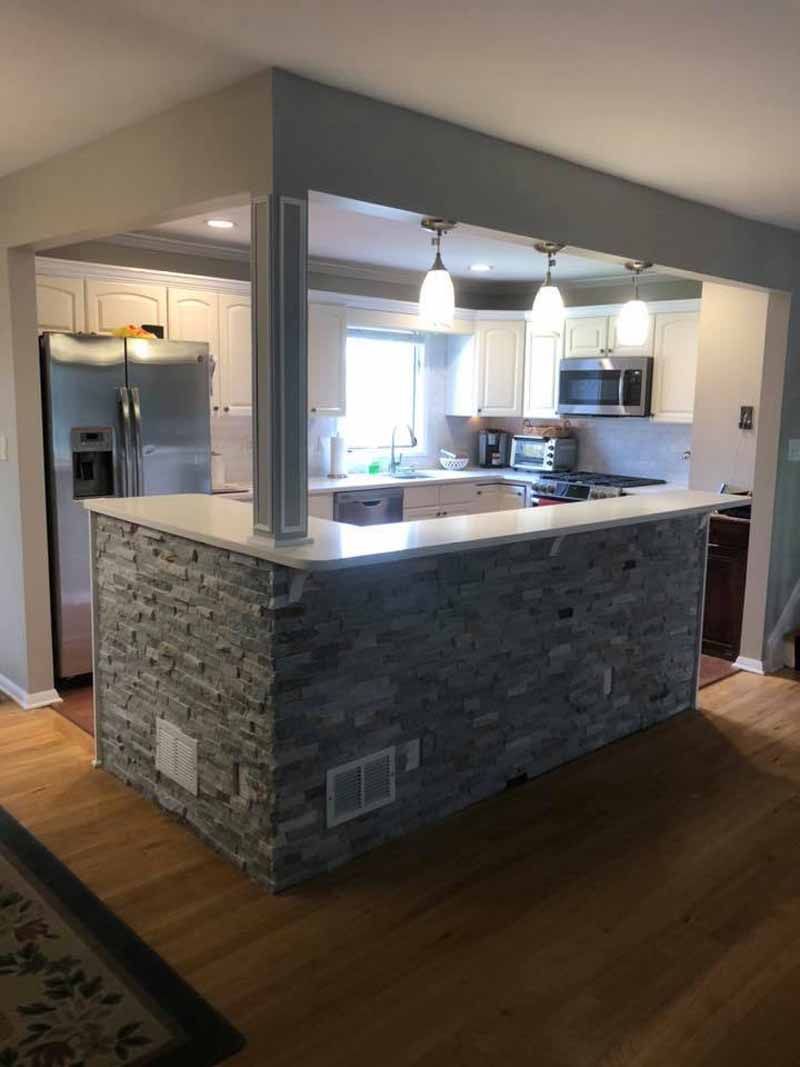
x=220 y=224
x=481 y=268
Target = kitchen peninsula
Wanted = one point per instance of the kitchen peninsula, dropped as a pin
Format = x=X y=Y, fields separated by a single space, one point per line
x=300 y=705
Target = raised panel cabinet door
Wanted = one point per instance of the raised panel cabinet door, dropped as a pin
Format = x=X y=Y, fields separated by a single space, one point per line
x=320 y=506
x=585 y=338
x=112 y=304
x=327 y=341
x=674 y=366
x=194 y=316
x=60 y=304
x=541 y=374
x=616 y=349
x=500 y=358
x=236 y=354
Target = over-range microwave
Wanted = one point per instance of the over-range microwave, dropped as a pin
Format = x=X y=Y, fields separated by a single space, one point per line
x=530 y=453
x=609 y=385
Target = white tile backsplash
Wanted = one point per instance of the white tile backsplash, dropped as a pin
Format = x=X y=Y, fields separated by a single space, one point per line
x=232 y=438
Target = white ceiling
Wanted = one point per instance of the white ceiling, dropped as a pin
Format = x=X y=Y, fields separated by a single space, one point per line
x=698 y=98
x=376 y=236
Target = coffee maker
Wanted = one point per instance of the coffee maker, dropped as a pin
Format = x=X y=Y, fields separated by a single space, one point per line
x=493 y=448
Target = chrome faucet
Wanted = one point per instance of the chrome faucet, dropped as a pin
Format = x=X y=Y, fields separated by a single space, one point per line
x=395 y=463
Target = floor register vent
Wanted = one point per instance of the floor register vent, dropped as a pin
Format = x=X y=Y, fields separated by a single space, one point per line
x=176 y=755
x=360 y=786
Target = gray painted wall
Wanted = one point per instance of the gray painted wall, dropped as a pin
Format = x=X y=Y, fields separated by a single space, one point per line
x=350 y=145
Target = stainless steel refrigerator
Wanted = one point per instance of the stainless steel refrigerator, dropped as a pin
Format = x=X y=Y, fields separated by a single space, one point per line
x=123 y=417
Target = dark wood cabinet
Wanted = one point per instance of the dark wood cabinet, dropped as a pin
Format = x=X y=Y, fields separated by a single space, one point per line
x=725 y=581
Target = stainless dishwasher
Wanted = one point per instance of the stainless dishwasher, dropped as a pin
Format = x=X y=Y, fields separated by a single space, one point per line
x=368 y=508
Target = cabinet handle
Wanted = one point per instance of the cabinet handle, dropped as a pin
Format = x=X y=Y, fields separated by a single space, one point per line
x=313 y=410
x=226 y=408
x=216 y=407
x=480 y=410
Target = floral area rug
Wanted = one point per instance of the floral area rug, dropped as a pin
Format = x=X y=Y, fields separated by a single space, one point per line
x=77 y=987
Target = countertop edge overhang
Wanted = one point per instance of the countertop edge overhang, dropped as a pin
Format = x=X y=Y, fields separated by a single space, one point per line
x=228 y=525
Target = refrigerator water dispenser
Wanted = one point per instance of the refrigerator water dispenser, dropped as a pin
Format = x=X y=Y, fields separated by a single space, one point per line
x=92 y=462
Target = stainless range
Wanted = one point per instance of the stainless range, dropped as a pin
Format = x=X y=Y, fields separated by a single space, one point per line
x=568 y=487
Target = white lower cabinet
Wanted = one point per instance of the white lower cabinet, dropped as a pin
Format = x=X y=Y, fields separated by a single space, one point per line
x=674 y=366
x=320 y=506
x=501 y=497
x=461 y=498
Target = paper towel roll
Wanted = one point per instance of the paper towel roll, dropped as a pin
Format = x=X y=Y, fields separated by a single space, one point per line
x=337 y=457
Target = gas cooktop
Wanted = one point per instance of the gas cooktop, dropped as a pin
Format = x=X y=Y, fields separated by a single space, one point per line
x=614 y=481
x=586 y=485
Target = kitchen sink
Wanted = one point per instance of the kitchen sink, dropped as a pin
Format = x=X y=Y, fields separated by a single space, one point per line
x=409 y=474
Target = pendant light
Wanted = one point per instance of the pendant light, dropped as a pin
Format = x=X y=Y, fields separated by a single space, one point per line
x=437 y=298
x=633 y=323
x=548 y=307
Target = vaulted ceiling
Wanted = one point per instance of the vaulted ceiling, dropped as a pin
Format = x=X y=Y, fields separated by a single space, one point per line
x=697 y=98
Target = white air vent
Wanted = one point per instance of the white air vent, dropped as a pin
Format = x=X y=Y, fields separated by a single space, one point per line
x=176 y=755
x=361 y=786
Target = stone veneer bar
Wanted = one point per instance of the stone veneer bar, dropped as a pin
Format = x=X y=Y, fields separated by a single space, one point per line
x=498 y=660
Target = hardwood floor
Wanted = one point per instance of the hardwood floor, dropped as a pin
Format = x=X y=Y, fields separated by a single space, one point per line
x=713 y=669
x=638 y=907
x=77 y=706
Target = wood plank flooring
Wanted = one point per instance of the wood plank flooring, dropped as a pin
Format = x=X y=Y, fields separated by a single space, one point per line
x=638 y=907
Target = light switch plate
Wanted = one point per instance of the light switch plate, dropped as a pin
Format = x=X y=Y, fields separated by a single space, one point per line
x=3 y=448
x=794 y=450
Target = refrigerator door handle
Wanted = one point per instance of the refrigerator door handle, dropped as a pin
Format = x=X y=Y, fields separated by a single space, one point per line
x=138 y=459
x=125 y=466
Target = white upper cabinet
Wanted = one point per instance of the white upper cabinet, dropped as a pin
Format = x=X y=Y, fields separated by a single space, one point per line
x=61 y=303
x=235 y=354
x=542 y=359
x=501 y=352
x=616 y=349
x=585 y=336
x=194 y=316
x=112 y=304
x=327 y=340
x=675 y=366
x=484 y=370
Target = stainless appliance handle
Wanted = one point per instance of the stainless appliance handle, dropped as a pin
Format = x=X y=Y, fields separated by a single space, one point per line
x=621 y=394
x=137 y=435
x=125 y=409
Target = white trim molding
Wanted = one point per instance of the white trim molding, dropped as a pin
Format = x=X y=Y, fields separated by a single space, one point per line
x=28 y=701
x=752 y=666
x=73 y=268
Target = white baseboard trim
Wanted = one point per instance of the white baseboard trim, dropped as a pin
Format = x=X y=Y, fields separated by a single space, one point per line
x=28 y=701
x=754 y=666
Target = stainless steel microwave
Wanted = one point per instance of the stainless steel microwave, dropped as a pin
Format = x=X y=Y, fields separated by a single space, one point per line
x=610 y=385
x=530 y=453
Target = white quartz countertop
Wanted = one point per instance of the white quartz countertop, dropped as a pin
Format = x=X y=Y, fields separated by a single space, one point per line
x=228 y=524
x=437 y=476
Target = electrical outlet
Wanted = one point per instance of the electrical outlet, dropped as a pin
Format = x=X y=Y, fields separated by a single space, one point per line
x=794 y=450
x=412 y=755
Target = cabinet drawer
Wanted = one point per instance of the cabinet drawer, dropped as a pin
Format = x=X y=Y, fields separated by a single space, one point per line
x=420 y=496
x=728 y=533
x=458 y=493
x=409 y=514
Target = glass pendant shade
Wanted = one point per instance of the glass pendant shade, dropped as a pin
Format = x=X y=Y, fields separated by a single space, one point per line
x=548 y=309
x=633 y=324
x=437 y=298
